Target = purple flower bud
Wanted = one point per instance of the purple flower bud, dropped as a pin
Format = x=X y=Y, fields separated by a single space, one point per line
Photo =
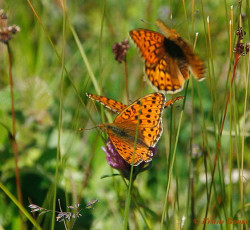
x=120 y=50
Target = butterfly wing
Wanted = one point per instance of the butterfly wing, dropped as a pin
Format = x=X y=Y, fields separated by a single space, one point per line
x=144 y=114
x=150 y=44
x=117 y=106
x=165 y=75
x=197 y=67
x=147 y=110
x=125 y=149
x=165 y=71
x=170 y=102
x=155 y=132
x=151 y=136
x=111 y=104
x=167 y=58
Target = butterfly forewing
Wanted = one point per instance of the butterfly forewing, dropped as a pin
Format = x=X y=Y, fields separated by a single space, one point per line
x=170 y=102
x=151 y=136
x=117 y=107
x=144 y=114
x=146 y=111
x=150 y=44
x=111 y=104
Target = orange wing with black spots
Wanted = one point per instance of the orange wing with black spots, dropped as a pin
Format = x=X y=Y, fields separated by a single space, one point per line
x=170 y=102
x=147 y=110
x=143 y=114
x=165 y=75
x=150 y=44
x=111 y=104
x=117 y=107
x=167 y=58
x=125 y=148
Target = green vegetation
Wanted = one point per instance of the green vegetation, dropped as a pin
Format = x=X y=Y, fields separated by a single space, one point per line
x=63 y=50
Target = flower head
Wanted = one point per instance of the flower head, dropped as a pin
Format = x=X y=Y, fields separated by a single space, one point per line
x=240 y=47
x=120 y=50
x=117 y=162
x=6 y=32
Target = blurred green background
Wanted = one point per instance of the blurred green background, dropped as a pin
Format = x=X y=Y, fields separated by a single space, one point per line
x=40 y=86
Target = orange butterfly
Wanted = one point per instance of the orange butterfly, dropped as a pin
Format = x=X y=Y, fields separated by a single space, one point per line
x=148 y=109
x=167 y=58
x=143 y=114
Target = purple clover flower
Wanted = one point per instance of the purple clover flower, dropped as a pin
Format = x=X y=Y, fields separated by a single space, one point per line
x=117 y=162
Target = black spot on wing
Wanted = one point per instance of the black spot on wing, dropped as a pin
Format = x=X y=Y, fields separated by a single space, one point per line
x=173 y=49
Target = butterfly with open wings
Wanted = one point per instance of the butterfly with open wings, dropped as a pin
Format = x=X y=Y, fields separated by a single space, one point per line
x=143 y=114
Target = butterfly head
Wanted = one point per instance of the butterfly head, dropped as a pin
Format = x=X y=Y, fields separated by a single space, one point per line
x=103 y=127
x=170 y=33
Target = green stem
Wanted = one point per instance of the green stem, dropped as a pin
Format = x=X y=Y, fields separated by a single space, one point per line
x=170 y=171
x=13 y=137
x=20 y=206
x=128 y=200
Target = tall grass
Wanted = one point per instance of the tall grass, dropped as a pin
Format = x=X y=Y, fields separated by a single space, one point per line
x=64 y=50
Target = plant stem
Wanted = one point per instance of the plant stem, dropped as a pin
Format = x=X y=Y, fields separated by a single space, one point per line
x=13 y=135
x=126 y=79
x=237 y=57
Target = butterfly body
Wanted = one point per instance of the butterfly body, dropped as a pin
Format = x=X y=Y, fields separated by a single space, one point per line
x=167 y=58
x=173 y=49
x=126 y=147
x=120 y=132
x=136 y=128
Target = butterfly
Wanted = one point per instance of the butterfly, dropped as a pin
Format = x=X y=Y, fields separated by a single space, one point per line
x=144 y=112
x=167 y=58
x=141 y=118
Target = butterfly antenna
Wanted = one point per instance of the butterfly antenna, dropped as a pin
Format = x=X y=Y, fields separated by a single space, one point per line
x=147 y=22
x=81 y=129
x=188 y=18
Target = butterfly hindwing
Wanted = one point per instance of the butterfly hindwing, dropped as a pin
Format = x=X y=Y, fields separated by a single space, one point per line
x=125 y=148
x=165 y=75
x=197 y=67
